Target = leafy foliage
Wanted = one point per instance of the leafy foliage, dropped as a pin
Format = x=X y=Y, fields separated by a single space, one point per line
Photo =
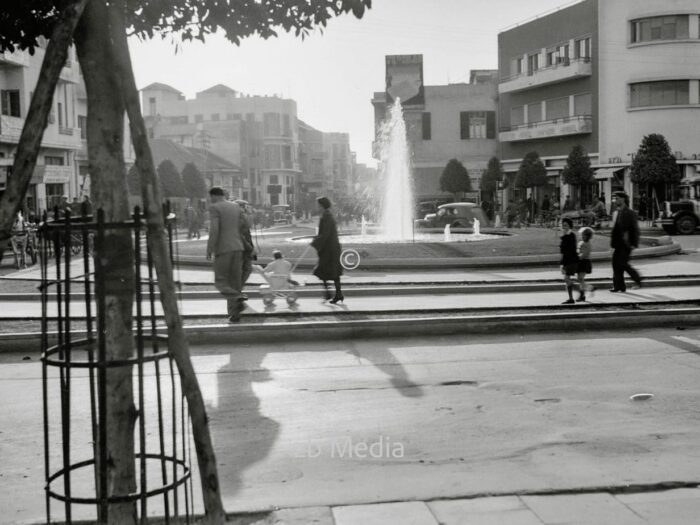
x=531 y=172
x=491 y=176
x=455 y=177
x=170 y=180
x=23 y=21
x=195 y=186
x=654 y=163
x=578 y=171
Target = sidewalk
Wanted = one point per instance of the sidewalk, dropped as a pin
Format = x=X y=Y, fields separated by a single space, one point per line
x=670 y=507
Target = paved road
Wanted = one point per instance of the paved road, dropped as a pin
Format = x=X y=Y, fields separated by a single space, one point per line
x=454 y=416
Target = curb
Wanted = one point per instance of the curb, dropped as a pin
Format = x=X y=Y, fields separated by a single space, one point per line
x=416 y=325
x=397 y=289
x=503 y=261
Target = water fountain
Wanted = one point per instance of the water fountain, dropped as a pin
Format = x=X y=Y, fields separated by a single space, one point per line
x=476 y=227
x=447 y=234
x=395 y=171
x=397 y=203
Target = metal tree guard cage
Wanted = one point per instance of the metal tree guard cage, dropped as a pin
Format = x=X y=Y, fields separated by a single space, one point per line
x=75 y=419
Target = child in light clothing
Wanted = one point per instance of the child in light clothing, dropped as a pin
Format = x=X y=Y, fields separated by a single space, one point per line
x=584 y=262
x=278 y=271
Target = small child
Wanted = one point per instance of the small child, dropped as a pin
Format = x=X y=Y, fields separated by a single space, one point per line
x=569 y=257
x=278 y=271
x=584 y=263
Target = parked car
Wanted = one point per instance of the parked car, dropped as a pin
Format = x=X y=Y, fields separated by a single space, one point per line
x=456 y=214
x=281 y=214
x=682 y=216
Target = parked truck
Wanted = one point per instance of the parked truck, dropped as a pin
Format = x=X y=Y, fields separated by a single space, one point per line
x=682 y=216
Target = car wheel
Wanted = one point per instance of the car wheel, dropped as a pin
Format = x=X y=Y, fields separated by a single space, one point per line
x=686 y=225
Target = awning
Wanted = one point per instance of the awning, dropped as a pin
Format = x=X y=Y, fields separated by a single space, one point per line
x=605 y=173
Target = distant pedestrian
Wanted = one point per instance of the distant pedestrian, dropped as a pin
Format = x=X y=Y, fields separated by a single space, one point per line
x=643 y=206
x=328 y=247
x=584 y=263
x=623 y=239
x=569 y=257
x=86 y=206
x=568 y=205
x=226 y=246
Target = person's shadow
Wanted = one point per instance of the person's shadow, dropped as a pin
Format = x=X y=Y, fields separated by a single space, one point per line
x=242 y=435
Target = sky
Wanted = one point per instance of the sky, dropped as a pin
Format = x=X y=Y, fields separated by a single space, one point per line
x=332 y=75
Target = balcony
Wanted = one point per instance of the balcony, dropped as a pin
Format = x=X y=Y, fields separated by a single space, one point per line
x=18 y=58
x=575 y=125
x=566 y=69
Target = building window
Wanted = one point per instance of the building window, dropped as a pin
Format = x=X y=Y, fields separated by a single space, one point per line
x=550 y=58
x=563 y=55
x=582 y=104
x=426 y=126
x=477 y=125
x=82 y=124
x=60 y=115
x=517 y=115
x=271 y=124
x=54 y=160
x=272 y=157
x=519 y=66
x=54 y=192
x=10 y=102
x=199 y=118
x=660 y=93
x=532 y=63
x=582 y=48
x=287 y=157
x=215 y=117
x=557 y=108
x=233 y=116
x=274 y=179
x=152 y=106
x=286 y=128
x=660 y=28
x=534 y=112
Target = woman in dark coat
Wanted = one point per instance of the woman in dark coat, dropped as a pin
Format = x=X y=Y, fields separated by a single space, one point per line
x=328 y=247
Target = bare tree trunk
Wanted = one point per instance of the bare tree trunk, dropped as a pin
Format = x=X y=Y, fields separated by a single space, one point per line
x=37 y=118
x=105 y=129
x=177 y=341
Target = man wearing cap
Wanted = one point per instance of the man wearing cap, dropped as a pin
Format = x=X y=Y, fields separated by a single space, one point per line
x=623 y=239
x=227 y=222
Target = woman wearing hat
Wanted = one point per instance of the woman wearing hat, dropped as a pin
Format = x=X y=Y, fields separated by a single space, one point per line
x=328 y=247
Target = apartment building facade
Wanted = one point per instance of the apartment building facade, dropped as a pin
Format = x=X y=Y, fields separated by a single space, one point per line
x=454 y=121
x=258 y=134
x=601 y=74
x=56 y=172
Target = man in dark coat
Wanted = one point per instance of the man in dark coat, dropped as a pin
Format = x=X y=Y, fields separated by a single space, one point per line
x=328 y=247
x=227 y=222
x=623 y=239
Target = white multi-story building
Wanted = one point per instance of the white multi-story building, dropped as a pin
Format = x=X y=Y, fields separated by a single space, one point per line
x=56 y=172
x=259 y=134
x=602 y=74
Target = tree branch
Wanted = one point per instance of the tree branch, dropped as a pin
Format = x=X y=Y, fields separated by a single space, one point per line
x=177 y=341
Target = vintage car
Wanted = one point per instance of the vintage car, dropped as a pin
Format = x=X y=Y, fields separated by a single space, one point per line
x=456 y=214
x=281 y=214
x=682 y=216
